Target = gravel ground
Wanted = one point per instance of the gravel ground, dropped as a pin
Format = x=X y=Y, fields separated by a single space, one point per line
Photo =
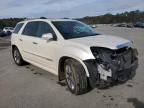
x=4 y=42
x=31 y=87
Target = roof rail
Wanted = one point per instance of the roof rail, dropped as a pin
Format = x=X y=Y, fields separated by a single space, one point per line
x=43 y=18
x=34 y=18
x=65 y=18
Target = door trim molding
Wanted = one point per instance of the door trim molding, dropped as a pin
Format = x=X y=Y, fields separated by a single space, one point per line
x=39 y=56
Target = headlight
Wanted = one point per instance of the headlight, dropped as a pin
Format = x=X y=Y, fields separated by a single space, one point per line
x=106 y=57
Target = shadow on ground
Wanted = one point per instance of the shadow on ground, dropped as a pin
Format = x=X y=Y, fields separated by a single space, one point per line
x=136 y=103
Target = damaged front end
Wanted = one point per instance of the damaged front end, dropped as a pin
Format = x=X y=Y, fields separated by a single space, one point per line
x=110 y=66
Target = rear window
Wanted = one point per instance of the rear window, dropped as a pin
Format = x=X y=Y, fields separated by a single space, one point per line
x=18 y=27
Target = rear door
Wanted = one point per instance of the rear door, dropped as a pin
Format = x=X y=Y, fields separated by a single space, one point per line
x=16 y=36
x=29 y=35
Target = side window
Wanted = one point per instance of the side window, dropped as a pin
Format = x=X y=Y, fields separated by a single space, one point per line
x=18 y=27
x=44 y=28
x=31 y=28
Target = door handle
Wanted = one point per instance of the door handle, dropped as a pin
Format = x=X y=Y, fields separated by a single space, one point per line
x=20 y=40
x=35 y=43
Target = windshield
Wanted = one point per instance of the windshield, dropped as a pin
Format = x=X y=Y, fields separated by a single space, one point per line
x=74 y=29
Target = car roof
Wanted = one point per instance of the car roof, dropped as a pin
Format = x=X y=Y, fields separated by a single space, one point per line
x=29 y=20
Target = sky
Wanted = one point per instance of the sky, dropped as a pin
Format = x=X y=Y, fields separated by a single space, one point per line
x=66 y=8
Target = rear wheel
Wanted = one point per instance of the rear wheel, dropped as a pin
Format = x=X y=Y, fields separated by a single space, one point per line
x=17 y=57
x=76 y=78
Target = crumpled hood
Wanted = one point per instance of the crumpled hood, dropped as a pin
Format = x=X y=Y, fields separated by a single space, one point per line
x=106 y=41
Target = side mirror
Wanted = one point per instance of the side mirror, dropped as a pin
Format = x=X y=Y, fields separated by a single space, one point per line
x=47 y=36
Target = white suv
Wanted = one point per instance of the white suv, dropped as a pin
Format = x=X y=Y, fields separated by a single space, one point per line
x=74 y=52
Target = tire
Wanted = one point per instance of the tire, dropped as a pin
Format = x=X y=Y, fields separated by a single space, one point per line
x=75 y=76
x=17 y=57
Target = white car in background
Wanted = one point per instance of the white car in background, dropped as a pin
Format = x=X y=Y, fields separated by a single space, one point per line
x=74 y=52
x=8 y=30
x=93 y=26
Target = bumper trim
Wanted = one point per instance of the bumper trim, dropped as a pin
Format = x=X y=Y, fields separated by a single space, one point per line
x=127 y=73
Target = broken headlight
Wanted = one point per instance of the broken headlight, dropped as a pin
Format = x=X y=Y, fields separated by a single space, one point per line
x=102 y=56
x=103 y=60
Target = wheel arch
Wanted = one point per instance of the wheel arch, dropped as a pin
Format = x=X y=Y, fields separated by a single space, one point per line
x=61 y=75
x=13 y=46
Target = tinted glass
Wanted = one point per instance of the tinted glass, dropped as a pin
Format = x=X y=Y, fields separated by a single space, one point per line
x=74 y=29
x=18 y=27
x=11 y=28
x=44 y=28
x=31 y=29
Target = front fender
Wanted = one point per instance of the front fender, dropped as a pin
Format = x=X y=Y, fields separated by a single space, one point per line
x=83 y=53
x=76 y=58
x=76 y=53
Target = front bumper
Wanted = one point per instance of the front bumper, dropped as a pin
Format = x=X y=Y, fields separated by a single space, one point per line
x=126 y=73
x=120 y=73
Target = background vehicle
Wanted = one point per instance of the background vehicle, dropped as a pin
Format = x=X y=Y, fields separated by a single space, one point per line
x=130 y=25
x=74 y=52
x=139 y=24
x=8 y=30
x=93 y=26
x=2 y=34
x=120 y=25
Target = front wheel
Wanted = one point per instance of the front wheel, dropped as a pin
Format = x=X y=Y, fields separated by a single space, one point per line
x=76 y=78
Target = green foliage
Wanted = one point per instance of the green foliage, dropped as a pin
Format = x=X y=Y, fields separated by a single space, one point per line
x=10 y=22
x=108 y=18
